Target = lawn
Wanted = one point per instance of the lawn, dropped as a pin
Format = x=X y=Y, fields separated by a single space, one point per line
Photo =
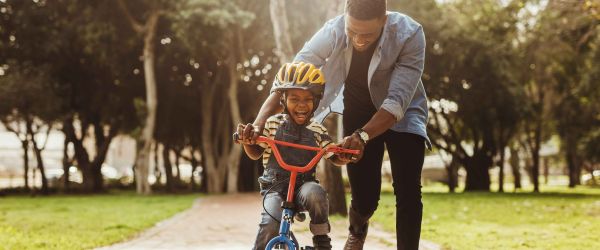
x=558 y=218
x=82 y=222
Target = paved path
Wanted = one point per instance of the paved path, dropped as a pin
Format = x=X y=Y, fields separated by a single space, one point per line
x=230 y=222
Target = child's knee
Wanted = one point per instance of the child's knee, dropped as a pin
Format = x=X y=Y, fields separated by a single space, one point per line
x=317 y=197
x=318 y=201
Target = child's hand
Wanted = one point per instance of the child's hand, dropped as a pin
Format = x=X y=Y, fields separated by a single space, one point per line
x=247 y=133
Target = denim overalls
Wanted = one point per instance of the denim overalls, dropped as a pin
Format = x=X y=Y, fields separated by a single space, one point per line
x=289 y=132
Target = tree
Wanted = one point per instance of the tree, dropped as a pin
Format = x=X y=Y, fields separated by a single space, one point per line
x=28 y=105
x=221 y=52
x=93 y=66
x=148 y=31
x=465 y=60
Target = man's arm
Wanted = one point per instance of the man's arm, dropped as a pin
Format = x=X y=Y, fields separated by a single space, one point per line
x=406 y=75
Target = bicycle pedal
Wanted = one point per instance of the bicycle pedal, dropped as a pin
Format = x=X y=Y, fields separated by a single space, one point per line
x=307 y=248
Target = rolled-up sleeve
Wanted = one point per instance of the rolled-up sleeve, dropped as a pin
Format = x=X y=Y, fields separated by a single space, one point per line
x=406 y=75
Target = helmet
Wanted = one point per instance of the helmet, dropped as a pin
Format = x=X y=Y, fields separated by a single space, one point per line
x=300 y=75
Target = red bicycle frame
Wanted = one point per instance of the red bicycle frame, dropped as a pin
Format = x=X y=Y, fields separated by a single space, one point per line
x=285 y=236
x=294 y=170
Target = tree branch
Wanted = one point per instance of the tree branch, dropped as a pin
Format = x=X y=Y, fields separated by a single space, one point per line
x=137 y=26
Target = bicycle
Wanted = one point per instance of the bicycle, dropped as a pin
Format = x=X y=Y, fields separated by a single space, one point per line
x=286 y=237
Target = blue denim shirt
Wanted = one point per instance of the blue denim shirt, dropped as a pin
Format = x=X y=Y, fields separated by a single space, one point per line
x=395 y=70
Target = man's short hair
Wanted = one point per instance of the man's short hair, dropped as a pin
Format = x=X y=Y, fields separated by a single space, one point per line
x=366 y=9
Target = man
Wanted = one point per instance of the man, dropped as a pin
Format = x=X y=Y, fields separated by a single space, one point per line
x=373 y=59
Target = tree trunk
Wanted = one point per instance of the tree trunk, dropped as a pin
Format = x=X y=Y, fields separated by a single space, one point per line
x=501 y=173
x=546 y=169
x=204 y=175
x=25 y=147
x=168 y=167
x=81 y=155
x=284 y=50
x=515 y=167
x=236 y=117
x=478 y=176
x=535 y=156
x=143 y=162
x=452 y=171
x=177 y=158
x=194 y=163
x=330 y=176
x=143 y=157
x=249 y=173
x=157 y=172
x=38 y=156
x=573 y=163
x=215 y=176
x=66 y=163
x=91 y=170
x=535 y=172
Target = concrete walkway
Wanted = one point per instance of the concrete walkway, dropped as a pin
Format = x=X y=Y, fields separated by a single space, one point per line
x=230 y=222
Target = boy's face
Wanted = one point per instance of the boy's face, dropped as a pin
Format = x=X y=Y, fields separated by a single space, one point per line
x=300 y=104
x=363 y=33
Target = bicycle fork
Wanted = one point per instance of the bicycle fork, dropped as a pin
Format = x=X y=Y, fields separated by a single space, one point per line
x=284 y=231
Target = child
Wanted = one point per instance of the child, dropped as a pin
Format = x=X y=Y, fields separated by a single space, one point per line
x=302 y=85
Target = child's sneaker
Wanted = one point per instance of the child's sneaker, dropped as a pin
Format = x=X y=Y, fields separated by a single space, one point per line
x=322 y=242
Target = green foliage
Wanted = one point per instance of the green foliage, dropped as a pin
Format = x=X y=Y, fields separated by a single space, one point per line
x=26 y=92
x=78 y=222
x=562 y=219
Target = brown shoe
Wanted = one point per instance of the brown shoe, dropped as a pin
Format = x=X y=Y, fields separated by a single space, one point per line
x=355 y=241
x=359 y=226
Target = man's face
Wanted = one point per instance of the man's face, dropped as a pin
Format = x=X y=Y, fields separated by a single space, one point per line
x=364 y=33
x=299 y=104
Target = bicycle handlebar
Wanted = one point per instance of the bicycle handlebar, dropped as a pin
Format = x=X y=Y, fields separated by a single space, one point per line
x=321 y=151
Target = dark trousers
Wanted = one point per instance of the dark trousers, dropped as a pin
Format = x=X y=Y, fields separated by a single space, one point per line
x=406 y=152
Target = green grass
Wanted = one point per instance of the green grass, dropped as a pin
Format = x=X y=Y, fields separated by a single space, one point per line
x=558 y=218
x=82 y=222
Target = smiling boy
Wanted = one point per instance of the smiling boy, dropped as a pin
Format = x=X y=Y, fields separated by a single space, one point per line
x=301 y=86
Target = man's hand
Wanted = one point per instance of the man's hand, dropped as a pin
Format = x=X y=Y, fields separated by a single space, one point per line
x=336 y=159
x=249 y=133
x=352 y=142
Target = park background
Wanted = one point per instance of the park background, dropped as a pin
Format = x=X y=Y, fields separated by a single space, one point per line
x=116 y=114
